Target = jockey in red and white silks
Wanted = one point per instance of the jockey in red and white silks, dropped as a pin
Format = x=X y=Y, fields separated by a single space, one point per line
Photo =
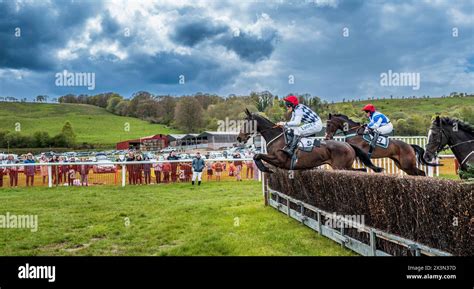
x=304 y=122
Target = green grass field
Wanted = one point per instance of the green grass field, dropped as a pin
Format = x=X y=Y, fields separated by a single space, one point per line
x=91 y=124
x=214 y=219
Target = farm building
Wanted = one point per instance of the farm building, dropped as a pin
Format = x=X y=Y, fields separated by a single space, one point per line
x=211 y=140
x=147 y=143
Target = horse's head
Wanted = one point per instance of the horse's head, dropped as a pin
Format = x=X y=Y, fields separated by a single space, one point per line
x=437 y=140
x=334 y=123
x=245 y=132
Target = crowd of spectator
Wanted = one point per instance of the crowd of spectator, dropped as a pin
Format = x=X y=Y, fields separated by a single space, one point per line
x=67 y=172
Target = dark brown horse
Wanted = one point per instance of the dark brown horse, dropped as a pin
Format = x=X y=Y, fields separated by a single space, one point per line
x=404 y=155
x=338 y=155
x=452 y=133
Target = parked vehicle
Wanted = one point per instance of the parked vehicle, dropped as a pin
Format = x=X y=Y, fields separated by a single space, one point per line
x=103 y=164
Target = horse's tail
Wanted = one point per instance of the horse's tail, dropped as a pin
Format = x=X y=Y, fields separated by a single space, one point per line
x=419 y=151
x=365 y=159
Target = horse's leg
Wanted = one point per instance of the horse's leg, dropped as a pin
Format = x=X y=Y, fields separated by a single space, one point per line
x=408 y=165
x=341 y=157
x=258 y=162
x=271 y=159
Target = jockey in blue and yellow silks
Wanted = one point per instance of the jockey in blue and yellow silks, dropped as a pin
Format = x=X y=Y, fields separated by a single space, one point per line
x=379 y=124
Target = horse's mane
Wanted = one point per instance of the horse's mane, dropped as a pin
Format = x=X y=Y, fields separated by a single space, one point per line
x=265 y=120
x=466 y=127
x=345 y=117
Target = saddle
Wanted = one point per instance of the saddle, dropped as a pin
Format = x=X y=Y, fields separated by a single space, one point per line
x=307 y=144
x=383 y=141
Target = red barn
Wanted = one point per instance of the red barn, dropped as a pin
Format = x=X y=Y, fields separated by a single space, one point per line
x=147 y=143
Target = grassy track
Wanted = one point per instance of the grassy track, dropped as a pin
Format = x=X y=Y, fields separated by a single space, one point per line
x=91 y=124
x=215 y=219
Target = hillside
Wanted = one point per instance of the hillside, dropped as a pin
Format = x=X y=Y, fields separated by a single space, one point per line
x=91 y=124
x=410 y=116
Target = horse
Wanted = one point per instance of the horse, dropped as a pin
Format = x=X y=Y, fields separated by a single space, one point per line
x=457 y=135
x=404 y=155
x=338 y=155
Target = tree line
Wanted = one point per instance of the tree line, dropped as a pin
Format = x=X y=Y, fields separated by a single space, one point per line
x=39 y=139
x=191 y=113
x=201 y=111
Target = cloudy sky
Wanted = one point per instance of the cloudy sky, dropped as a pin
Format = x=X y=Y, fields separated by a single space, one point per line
x=331 y=48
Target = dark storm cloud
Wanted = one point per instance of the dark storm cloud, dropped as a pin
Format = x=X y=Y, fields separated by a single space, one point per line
x=192 y=31
x=44 y=27
x=301 y=38
x=250 y=47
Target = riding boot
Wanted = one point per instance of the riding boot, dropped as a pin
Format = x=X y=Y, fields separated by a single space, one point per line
x=373 y=143
x=292 y=145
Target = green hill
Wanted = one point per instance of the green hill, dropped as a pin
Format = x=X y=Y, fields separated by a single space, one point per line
x=91 y=124
x=410 y=116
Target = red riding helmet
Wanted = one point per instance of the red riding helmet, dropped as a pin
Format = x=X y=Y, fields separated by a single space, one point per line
x=291 y=100
x=369 y=107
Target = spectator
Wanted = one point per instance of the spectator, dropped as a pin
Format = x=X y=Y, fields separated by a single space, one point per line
x=218 y=167
x=12 y=171
x=166 y=172
x=147 y=171
x=198 y=166
x=174 y=165
x=138 y=170
x=158 y=168
x=44 y=169
x=231 y=169
x=29 y=170
x=238 y=167
x=209 y=171
x=63 y=170
x=130 y=168
x=181 y=169
x=55 y=170
x=2 y=171
x=71 y=172
x=250 y=167
x=84 y=172
x=188 y=172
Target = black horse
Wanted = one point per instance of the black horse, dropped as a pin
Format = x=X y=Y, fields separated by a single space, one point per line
x=455 y=134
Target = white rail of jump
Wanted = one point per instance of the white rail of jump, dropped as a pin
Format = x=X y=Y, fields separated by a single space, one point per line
x=283 y=202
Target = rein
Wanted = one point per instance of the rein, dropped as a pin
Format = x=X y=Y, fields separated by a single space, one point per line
x=350 y=128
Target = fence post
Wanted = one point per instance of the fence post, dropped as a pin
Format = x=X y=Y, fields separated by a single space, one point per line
x=373 y=243
x=124 y=172
x=437 y=168
x=50 y=177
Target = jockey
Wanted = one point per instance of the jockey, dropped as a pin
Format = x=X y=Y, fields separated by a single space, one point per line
x=379 y=124
x=304 y=122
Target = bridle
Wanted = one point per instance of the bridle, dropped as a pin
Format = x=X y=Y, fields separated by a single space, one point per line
x=264 y=130
x=442 y=147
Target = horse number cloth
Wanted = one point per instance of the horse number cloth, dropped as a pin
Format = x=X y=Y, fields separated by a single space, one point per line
x=382 y=141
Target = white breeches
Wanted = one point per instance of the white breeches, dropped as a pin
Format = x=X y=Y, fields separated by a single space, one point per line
x=308 y=128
